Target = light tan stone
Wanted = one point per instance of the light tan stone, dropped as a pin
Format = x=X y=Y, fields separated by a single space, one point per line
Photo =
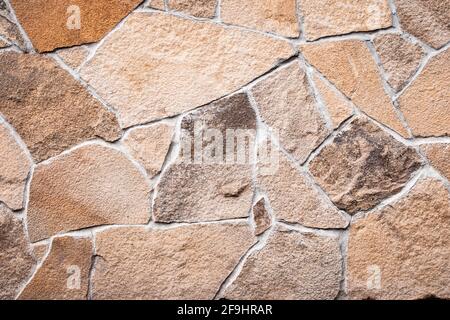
x=439 y=156
x=286 y=104
x=149 y=146
x=16 y=261
x=92 y=185
x=291 y=266
x=48 y=108
x=64 y=275
x=188 y=262
x=11 y=32
x=197 y=8
x=350 y=66
x=335 y=17
x=428 y=20
x=147 y=73
x=14 y=168
x=402 y=251
x=426 y=102
x=40 y=251
x=4 y=10
x=157 y=4
x=52 y=24
x=275 y=16
x=399 y=57
x=261 y=217
x=363 y=166
x=4 y=44
x=74 y=57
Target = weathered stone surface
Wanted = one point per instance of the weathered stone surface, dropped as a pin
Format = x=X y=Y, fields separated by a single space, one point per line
x=363 y=165
x=428 y=20
x=10 y=32
x=52 y=24
x=4 y=10
x=330 y=17
x=439 y=156
x=350 y=66
x=402 y=251
x=4 y=44
x=261 y=216
x=14 y=168
x=16 y=261
x=209 y=188
x=74 y=57
x=40 y=251
x=188 y=262
x=338 y=107
x=294 y=199
x=93 y=185
x=399 y=57
x=147 y=73
x=157 y=4
x=64 y=275
x=276 y=16
x=286 y=104
x=291 y=266
x=149 y=146
x=197 y=8
x=49 y=109
x=426 y=102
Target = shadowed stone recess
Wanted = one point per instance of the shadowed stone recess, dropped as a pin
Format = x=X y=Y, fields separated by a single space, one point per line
x=261 y=217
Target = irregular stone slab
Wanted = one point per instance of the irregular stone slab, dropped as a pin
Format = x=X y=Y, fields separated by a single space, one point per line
x=74 y=57
x=40 y=251
x=209 y=188
x=149 y=146
x=350 y=66
x=196 y=8
x=16 y=261
x=11 y=32
x=49 y=109
x=428 y=20
x=64 y=275
x=14 y=168
x=52 y=24
x=286 y=104
x=4 y=44
x=261 y=216
x=276 y=16
x=136 y=263
x=92 y=185
x=294 y=199
x=363 y=166
x=426 y=102
x=291 y=266
x=147 y=73
x=323 y=18
x=157 y=4
x=402 y=251
x=399 y=57
x=439 y=156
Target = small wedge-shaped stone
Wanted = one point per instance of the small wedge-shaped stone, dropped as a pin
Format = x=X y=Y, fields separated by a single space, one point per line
x=158 y=65
x=350 y=66
x=261 y=217
x=439 y=156
x=14 y=168
x=74 y=57
x=49 y=109
x=402 y=251
x=16 y=261
x=291 y=266
x=92 y=185
x=426 y=102
x=275 y=16
x=188 y=262
x=64 y=274
x=363 y=165
x=11 y=32
x=428 y=20
x=156 y=4
x=52 y=24
x=196 y=8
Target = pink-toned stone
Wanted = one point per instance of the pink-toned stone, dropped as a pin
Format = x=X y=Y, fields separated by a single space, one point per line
x=157 y=4
x=11 y=32
x=197 y=8
x=261 y=217
x=439 y=156
x=4 y=44
x=40 y=251
x=92 y=185
x=74 y=57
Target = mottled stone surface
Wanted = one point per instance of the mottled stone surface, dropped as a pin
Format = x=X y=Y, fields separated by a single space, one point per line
x=335 y=17
x=350 y=66
x=74 y=57
x=4 y=44
x=16 y=261
x=52 y=24
x=291 y=266
x=188 y=262
x=261 y=217
x=49 y=109
x=40 y=251
x=275 y=16
x=4 y=10
x=64 y=274
x=439 y=156
x=14 y=168
x=363 y=165
x=11 y=32
x=147 y=73
x=400 y=58
x=428 y=20
x=426 y=102
x=402 y=251
x=156 y=4
x=196 y=8
x=92 y=185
